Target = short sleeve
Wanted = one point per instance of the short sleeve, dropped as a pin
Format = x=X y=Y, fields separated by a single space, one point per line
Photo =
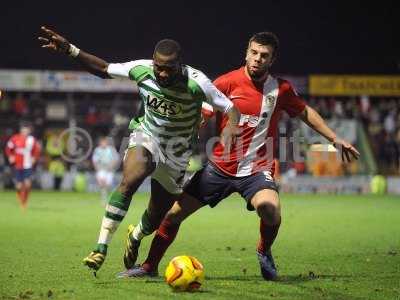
x=222 y=84
x=124 y=70
x=207 y=110
x=95 y=156
x=211 y=94
x=120 y=70
x=290 y=101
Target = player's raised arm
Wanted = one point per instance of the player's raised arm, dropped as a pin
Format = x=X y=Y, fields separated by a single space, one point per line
x=313 y=119
x=55 y=42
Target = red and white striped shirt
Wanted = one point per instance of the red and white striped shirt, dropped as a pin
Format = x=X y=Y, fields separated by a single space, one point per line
x=24 y=149
x=260 y=107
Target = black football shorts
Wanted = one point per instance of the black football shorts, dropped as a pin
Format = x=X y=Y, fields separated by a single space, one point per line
x=210 y=185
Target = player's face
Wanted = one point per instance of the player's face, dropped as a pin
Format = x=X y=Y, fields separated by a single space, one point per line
x=26 y=130
x=103 y=143
x=258 y=59
x=167 y=69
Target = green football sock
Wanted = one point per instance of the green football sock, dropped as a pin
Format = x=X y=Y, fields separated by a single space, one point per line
x=102 y=248
x=145 y=227
x=116 y=210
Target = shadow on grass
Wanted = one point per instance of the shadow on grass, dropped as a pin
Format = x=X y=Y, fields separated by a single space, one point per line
x=294 y=279
x=157 y=280
x=289 y=279
x=236 y=278
x=200 y=291
x=284 y=279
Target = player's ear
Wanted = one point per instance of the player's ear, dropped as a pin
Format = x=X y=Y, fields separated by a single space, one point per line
x=272 y=61
x=274 y=54
x=247 y=53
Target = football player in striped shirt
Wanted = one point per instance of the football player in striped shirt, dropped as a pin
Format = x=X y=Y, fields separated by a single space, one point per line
x=161 y=142
x=248 y=168
x=23 y=151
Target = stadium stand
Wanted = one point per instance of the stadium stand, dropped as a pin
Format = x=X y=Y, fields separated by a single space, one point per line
x=375 y=119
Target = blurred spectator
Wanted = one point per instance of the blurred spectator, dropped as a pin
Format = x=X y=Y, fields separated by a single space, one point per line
x=5 y=104
x=389 y=123
x=397 y=141
x=120 y=119
x=91 y=117
x=54 y=145
x=390 y=154
x=338 y=110
x=365 y=105
x=20 y=106
x=57 y=169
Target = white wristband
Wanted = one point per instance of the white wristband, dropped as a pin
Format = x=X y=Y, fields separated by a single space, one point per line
x=73 y=51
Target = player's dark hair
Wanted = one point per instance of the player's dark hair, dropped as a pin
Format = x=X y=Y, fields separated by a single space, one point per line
x=25 y=123
x=267 y=39
x=168 y=47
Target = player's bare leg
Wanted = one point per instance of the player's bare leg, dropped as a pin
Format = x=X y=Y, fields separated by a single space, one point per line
x=164 y=236
x=27 y=185
x=267 y=204
x=138 y=164
x=19 y=186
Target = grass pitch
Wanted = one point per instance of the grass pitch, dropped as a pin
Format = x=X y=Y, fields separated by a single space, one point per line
x=329 y=247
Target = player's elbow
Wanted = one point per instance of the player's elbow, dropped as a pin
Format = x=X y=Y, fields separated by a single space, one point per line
x=102 y=73
x=309 y=115
x=100 y=70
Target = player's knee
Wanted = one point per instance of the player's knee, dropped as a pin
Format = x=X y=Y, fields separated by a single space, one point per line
x=269 y=212
x=132 y=180
x=124 y=185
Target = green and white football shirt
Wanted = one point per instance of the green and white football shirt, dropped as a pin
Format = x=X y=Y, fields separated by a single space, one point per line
x=172 y=115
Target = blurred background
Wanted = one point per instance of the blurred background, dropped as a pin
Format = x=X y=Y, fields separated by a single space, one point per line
x=343 y=58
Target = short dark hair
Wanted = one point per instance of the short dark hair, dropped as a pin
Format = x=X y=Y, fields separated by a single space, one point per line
x=168 y=47
x=25 y=123
x=267 y=39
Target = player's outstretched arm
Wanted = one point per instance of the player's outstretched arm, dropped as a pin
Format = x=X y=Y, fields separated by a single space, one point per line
x=55 y=42
x=313 y=119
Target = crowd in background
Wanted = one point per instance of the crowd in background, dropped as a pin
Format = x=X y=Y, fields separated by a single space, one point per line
x=380 y=118
x=98 y=114
x=109 y=115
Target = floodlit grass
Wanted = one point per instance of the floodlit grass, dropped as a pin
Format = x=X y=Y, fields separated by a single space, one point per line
x=329 y=247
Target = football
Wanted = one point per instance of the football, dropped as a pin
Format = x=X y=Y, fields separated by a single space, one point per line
x=184 y=273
